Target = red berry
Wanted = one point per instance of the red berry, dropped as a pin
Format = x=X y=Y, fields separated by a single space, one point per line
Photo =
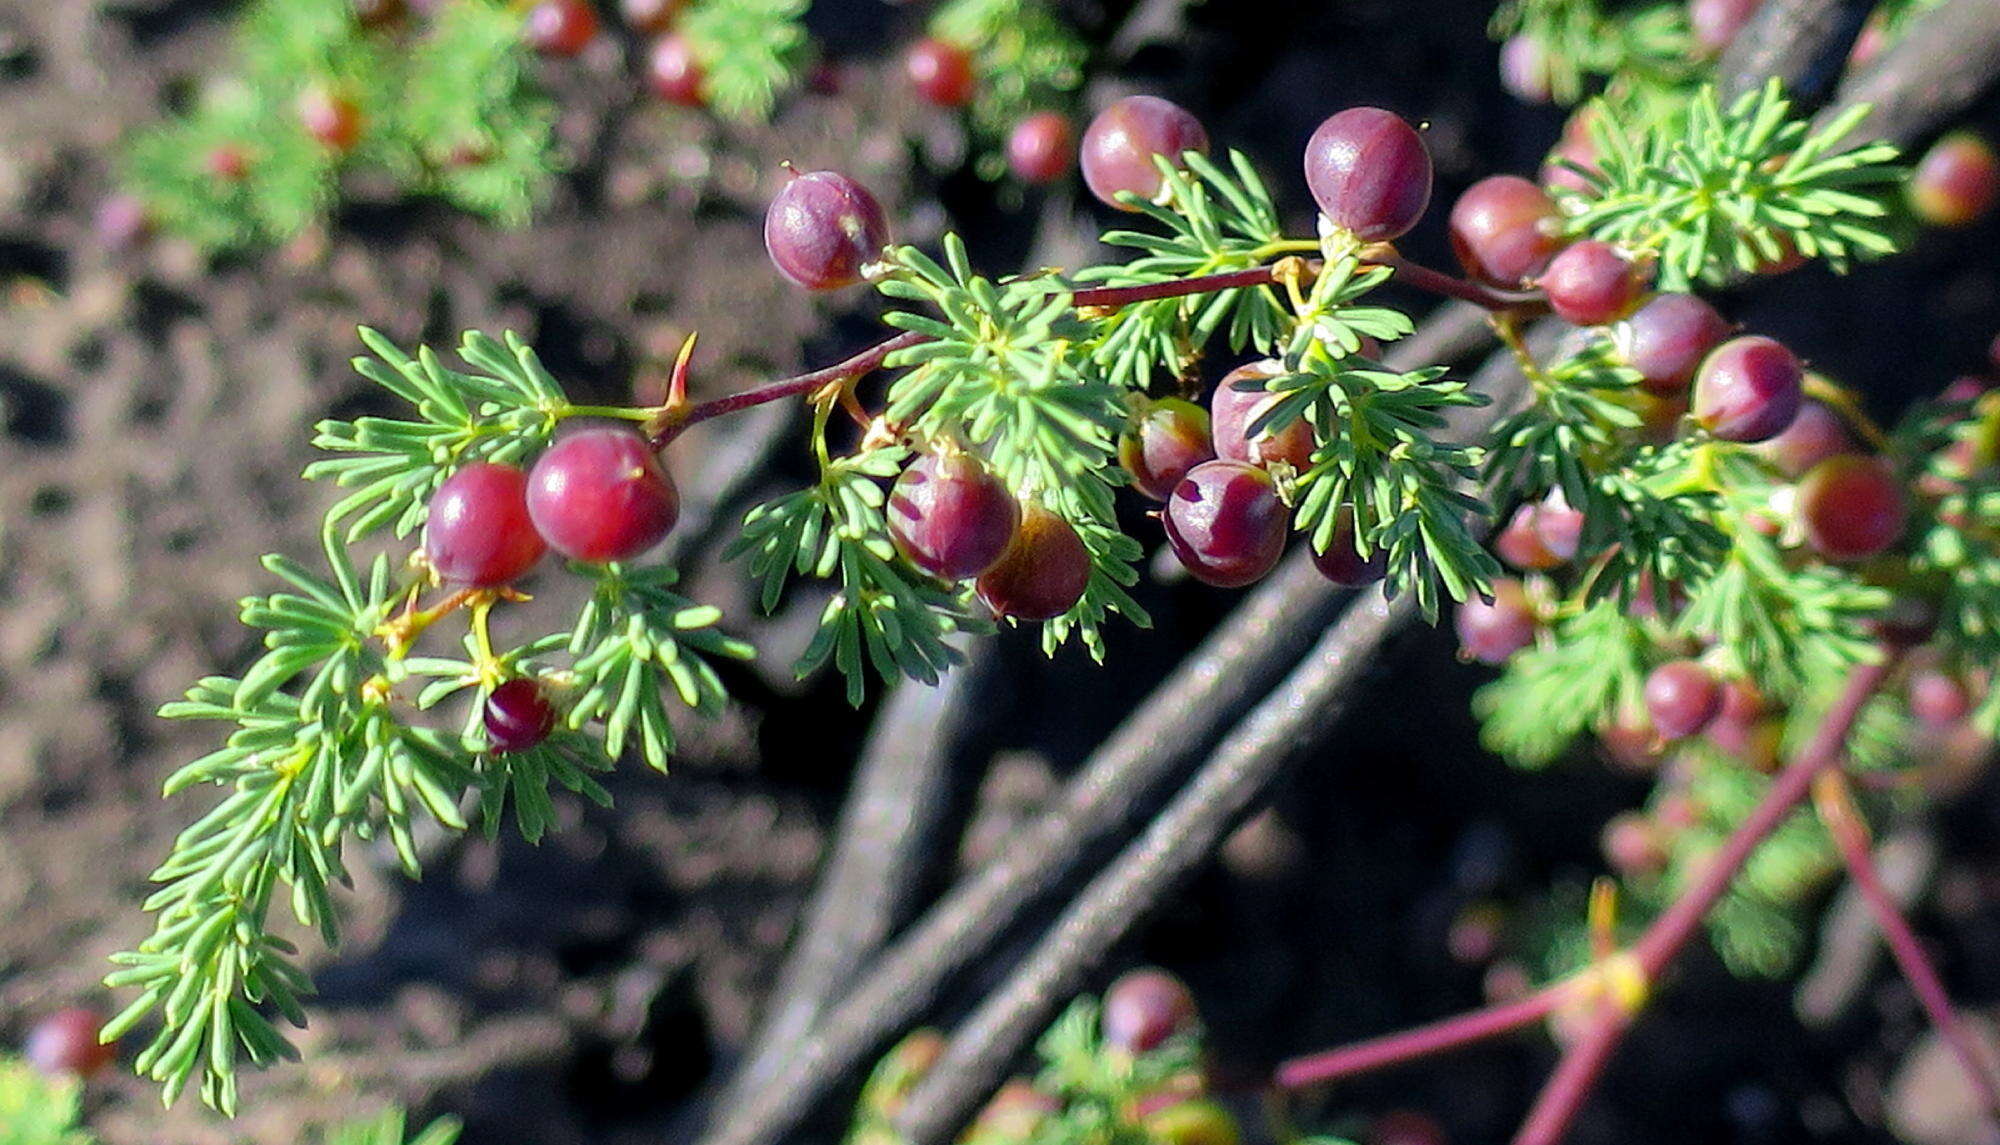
x=1233 y=411
x=1119 y=146
x=1956 y=181
x=1143 y=1008
x=1492 y=632
x=1369 y=173
x=941 y=72
x=649 y=17
x=1633 y=846
x=1852 y=507
x=561 y=27
x=1630 y=742
x=1165 y=440
x=600 y=495
x=1558 y=527
x=1341 y=563
x=950 y=516
x=228 y=163
x=1042 y=574
x=1667 y=339
x=1575 y=147
x=518 y=716
x=330 y=118
x=1226 y=523
x=1816 y=434
x=1525 y=70
x=66 y=1042
x=1716 y=22
x=1041 y=147
x=672 y=71
x=1937 y=698
x=479 y=533
x=1592 y=284
x=1520 y=544
x=1682 y=698
x=823 y=228
x=1748 y=389
x=1505 y=230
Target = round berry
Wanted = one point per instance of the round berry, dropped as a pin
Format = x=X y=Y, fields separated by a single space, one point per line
x=228 y=163
x=1042 y=574
x=1633 y=846
x=672 y=72
x=1852 y=507
x=1143 y=1008
x=941 y=72
x=1519 y=542
x=1525 y=69
x=1956 y=181
x=1938 y=699
x=1197 y=1122
x=1505 y=230
x=1041 y=147
x=1748 y=389
x=518 y=716
x=66 y=1042
x=121 y=221
x=1164 y=440
x=1341 y=563
x=1592 y=283
x=1716 y=22
x=479 y=533
x=649 y=17
x=600 y=495
x=333 y=120
x=561 y=27
x=950 y=516
x=1816 y=434
x=1232 y=411
x=1571 y=164
x=1490 y=632
x=1369 y=172
x=1630 y=743
x=1667 y=338
x=1682 y=698
x=1120 y=143
x=1226 y=523
x=1558 y=527
x=822 y=229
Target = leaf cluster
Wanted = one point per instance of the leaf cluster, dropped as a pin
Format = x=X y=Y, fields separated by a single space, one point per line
x=750 y=51
x=1025 y=57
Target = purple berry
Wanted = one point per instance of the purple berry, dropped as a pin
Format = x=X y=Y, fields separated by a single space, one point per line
x=823 y=228
x=1852 y=507
x=479 y=533
x=1525 y=70
x=1956 y=181
x=1938 y=699
x=1226 y=523
x=1505 y=230
x=1369 y=172
x=1667 y=339
x=1748 y=389
x=66 y=1042
x=1041 y=147
x=941 y=72
x=1232 y=411
x=1165 y=440
x=1042 y=574
x=672 y=72
x=1143 y=1008
x=1592 y=284
x=1682 y=698
x=1816 y=434
x=950 y=516
x=518 y=716
x=600 y=495
x=1119 y=146
x=1341 y=563
x=1492 y=632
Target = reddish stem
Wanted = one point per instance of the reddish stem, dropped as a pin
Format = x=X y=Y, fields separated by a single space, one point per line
x=672 y=421
x=1436 y=1038
x=1464 y=289
x=1113 y=296
x=1850 y=835
x=1577 y=1073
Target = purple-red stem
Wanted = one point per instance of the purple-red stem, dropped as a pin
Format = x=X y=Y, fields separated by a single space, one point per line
x=1437 y=282
x=1424 y=1041
x=1851 y=837
x=1583 y=1063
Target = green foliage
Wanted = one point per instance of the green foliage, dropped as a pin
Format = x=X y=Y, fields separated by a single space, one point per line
x=449 y=109
x=38 y=1110
x=1716 y=194
x=1592 y=665
x=1025 y=58
x=1641 y=52
x=750 y=51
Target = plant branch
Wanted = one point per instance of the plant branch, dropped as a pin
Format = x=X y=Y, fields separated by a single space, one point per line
x=1450 y=286
x=1438 y=1037
x=1944 y=60
x=1803 y=43
x=1850 y=835
x=671 y=420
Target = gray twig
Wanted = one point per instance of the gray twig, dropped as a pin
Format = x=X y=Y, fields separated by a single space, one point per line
x=1802 y=43
x=1945 y=59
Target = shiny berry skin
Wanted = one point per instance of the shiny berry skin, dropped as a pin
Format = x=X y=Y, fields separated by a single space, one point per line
x=1716 y=22
x=1164 y=440
x=561 y=27
x=1580 y=150
x=1592 y=284
x=1042 y=574
x=1197 y=1122
x=600 y=495
x=1226 y=523
x=649 y=17
x=479 y=533
x=1558 y=527
x=822 y=229
x=332 y=119
x=66 y=1042
x=1490 y=633
x=1937 y=698
x=1120 y=143
x=1519 y=542
x=941 y=72
x=1233 y=411
x=1852 y=507
x=1956 y=181
x=1041 y=147
x=1524 y=69
x=672 y=72
x=1667 y=338
x=1369 y=172
x=950 y=516
x=518 y=716
x=1748 y=389
x=1341 y=563
x=1816 y=434
x=1505 y=230
x=1143 y=1008
x=1682 y=698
